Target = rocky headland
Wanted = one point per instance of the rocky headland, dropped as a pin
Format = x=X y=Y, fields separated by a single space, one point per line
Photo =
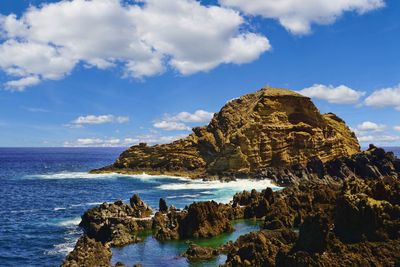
x=269 y=128
x=339 y=207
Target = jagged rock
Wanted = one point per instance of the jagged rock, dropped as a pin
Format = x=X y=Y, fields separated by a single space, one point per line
x=366 y=212
x=141 y=210
x=200 y=220
x=163 y=206
x=116 y=222
x=204 y=219
x=313 y=234
x=259 y=248
x=88 y=252
x=269 y=128
x=195 y=252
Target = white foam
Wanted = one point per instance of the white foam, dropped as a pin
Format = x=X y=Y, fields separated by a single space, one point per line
x=57 y=208
x=76 y=175
x=184 y=196
x=85 y=175
x=70 y=222
x=238 y=185
x=86 y=204
x=69 y=243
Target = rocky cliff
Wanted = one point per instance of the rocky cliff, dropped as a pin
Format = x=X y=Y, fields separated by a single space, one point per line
x=269 y=128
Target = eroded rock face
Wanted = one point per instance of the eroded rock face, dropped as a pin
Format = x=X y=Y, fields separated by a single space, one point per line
x=88 y=252
x=204 y=219
x=200 y=220
x=350 y=223
x=260 y=248
x=116 y=222
x=140 y=209
x=269 y=128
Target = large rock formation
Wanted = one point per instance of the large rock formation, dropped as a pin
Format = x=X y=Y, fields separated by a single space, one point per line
x=88 y=252
x=117 y=223
x=350 y=223
x=269 y=128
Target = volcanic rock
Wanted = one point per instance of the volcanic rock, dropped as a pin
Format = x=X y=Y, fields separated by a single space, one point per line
x=141 y=210
x=260 y=248
x=163 y=206
x=116 y=222
x=200 y=220
x=195 y=252
x=88 y=252
x=269 y=128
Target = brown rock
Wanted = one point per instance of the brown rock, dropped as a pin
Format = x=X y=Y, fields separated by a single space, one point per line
x=269 y=128
x=88 y=252
x=141 y=210
x=195 y=252
x=204 y=219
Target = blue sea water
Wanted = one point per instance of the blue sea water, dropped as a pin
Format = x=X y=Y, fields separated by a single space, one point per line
x=44 y=191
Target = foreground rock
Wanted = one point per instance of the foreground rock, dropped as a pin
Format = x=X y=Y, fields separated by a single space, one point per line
x=260 y=248
x=88 y=252
x=269 y=128
x=355 y=223
x=347 y=213
x=200 y=220
x=196 y=253
x=117 y=222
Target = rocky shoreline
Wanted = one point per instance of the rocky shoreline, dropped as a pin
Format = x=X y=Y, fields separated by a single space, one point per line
x=347 y=212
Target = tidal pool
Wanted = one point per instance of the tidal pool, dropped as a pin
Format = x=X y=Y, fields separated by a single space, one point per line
x=152 y=252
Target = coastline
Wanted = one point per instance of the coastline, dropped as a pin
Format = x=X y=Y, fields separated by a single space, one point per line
x=207 y=219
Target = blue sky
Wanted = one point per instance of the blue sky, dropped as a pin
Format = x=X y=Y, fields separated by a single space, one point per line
x=64 y=82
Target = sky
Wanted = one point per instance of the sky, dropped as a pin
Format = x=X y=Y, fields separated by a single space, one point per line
x=115 y=73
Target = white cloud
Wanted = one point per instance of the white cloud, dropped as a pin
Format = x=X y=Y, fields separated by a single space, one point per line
x=171 y=126
x=337 y=95
x=144 y=37
x=374 y=133
x=177 y=122
x=298 y=16
x=19 y=85
x=101 y=119
x=371 y=126
x=397 y=128
x=386 y=97
x=197 y=116
x=150 y=139
x=379 y=138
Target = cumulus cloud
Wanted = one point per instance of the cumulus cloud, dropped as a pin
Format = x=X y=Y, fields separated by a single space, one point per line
x=197 y=116
x=386 y=97
x=101 y=119
x=171 y=126
x=178 y=122
x=337 y=95
x=371 y=126
x=19 y=85
x=379 y=138
x=144 y=37
x=298 y=16
x=371 y=132
x=150 y=139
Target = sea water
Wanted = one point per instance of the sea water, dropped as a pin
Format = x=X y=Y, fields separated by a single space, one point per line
x=44 y=191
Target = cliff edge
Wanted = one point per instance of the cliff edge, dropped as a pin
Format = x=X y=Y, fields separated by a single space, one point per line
x=269 y=128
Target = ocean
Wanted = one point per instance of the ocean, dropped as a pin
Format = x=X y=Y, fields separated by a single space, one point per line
x=44 y=191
